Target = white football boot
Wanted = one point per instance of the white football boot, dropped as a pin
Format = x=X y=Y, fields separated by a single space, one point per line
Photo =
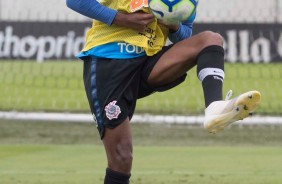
x=220 y=114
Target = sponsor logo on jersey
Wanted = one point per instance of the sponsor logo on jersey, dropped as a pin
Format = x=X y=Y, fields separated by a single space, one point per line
x=130 y=49
x=136 y=5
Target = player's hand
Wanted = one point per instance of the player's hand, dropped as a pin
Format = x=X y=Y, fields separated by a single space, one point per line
x=172 y=27
x=137 y=21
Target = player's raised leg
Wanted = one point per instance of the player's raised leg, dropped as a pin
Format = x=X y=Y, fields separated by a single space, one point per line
x=206 y=51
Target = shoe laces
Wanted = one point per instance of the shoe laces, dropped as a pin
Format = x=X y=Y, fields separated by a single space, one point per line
x=229 y=94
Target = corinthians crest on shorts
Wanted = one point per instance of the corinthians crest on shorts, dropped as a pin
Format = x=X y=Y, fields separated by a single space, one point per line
x=112 y=110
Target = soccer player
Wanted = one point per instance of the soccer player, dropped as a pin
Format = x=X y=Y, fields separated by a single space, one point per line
x=125 y=58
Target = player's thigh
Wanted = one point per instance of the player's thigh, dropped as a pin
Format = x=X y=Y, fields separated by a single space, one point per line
x=112 y=86
x=181 y=57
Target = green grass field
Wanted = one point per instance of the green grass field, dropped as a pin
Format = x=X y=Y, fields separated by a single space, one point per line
x=71 y=153
x=85 y=164
x=58 y=86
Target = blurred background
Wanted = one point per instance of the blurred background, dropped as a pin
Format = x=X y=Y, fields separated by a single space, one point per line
x=41 y=81
x=39 y=71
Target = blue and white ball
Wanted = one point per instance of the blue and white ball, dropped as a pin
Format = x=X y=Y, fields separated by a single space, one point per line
x=173 y=11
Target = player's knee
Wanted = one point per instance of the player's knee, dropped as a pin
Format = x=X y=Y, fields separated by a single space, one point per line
x=209 y=38
x=125 y=157
x=122 y=158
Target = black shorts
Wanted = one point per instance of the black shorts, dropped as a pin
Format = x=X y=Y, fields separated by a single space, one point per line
x=113 y=86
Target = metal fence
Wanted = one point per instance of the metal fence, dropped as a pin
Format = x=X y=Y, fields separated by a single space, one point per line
x=209 y=11
x=46 y=30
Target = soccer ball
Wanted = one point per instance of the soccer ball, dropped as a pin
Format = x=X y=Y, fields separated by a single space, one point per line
x=173 y=11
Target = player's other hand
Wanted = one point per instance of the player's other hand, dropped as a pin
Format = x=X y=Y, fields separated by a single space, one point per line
x=172 y=27
x=137 y=21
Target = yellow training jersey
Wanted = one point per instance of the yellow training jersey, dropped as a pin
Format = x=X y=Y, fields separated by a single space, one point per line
x=152 y=39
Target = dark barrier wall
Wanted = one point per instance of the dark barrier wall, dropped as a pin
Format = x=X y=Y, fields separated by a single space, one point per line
x=257 y=43
x=41 y=41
